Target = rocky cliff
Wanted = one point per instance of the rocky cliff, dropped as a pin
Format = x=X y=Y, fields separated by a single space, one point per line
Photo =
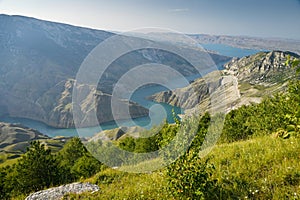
x=60 y=111
x=39 y=58
x=243 y=81
x=262 y=68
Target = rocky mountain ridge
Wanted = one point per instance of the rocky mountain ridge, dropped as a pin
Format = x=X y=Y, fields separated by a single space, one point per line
x=243 y=81
x=262 y=68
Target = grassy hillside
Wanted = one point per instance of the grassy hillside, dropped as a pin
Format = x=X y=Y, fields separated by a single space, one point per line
x=257 y=157
x=15 y=138
x=261 y=168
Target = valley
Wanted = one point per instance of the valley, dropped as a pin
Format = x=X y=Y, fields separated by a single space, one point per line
x=211 y=117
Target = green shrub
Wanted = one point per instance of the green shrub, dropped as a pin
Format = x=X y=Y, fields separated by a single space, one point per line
x=189 y=177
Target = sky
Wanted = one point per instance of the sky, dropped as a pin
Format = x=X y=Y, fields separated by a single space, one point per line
x=260 y=18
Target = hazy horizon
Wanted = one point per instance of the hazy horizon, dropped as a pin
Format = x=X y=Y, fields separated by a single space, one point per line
x=256 y=18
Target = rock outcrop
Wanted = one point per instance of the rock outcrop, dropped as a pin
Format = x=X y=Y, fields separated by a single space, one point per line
x=58 y=192
x=243 y=81
x=264 y=68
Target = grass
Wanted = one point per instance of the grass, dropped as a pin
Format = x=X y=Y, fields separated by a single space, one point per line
x=121 y=185
x=8 y=162
x=260 y=168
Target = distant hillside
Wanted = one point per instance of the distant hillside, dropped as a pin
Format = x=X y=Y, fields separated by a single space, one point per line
x=250 y=42
x=39 y=58
x=244 y=42
x=15 y=138
x=245 y=80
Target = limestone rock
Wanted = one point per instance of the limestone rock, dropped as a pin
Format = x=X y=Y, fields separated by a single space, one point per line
x=58 y=192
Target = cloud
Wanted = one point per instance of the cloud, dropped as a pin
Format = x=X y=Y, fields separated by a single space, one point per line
x=179 y=10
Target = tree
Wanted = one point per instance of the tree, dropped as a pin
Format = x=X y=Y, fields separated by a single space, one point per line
x=86 y=166
x=3 y=186
x=72 y=151
x=37 y=169
x=127 y=144
x=76 y=162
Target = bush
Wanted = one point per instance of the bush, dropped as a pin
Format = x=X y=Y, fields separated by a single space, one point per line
x=190 y=178
x=274 y=113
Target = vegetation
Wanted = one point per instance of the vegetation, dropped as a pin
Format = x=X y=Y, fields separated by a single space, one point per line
x=39 y=168
x=257 y=157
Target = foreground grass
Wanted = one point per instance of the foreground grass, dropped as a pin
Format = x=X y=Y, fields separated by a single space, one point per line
x=121 y=185
x=261 y=168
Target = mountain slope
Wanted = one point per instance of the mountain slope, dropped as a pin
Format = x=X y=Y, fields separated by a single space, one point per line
x=15 y=138
x=38 y=58
x=245 y=80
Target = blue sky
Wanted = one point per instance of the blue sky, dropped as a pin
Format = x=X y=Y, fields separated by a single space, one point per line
x=264 y=18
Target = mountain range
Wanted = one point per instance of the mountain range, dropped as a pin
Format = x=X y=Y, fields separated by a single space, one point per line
x=39 y=61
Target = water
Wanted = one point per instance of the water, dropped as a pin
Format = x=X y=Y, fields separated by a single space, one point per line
x=161 y=111
x=229 y=50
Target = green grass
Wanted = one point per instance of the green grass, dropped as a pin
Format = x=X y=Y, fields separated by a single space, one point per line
x=260 y=168
x=120 y=185
x=8 y=162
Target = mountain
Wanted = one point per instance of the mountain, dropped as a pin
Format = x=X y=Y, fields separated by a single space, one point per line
x=15 y=138
x=250 y=42
x=244 y=42
x=39 y=61
x=243 y=81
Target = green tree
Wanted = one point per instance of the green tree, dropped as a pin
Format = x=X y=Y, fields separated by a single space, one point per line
x=86 y=166
x=127 y=144
x=3 y=187
x=37 y=169
x=72 y=157
x=72 y=151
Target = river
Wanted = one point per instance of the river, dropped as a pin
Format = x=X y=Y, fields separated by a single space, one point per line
x=139 y=97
